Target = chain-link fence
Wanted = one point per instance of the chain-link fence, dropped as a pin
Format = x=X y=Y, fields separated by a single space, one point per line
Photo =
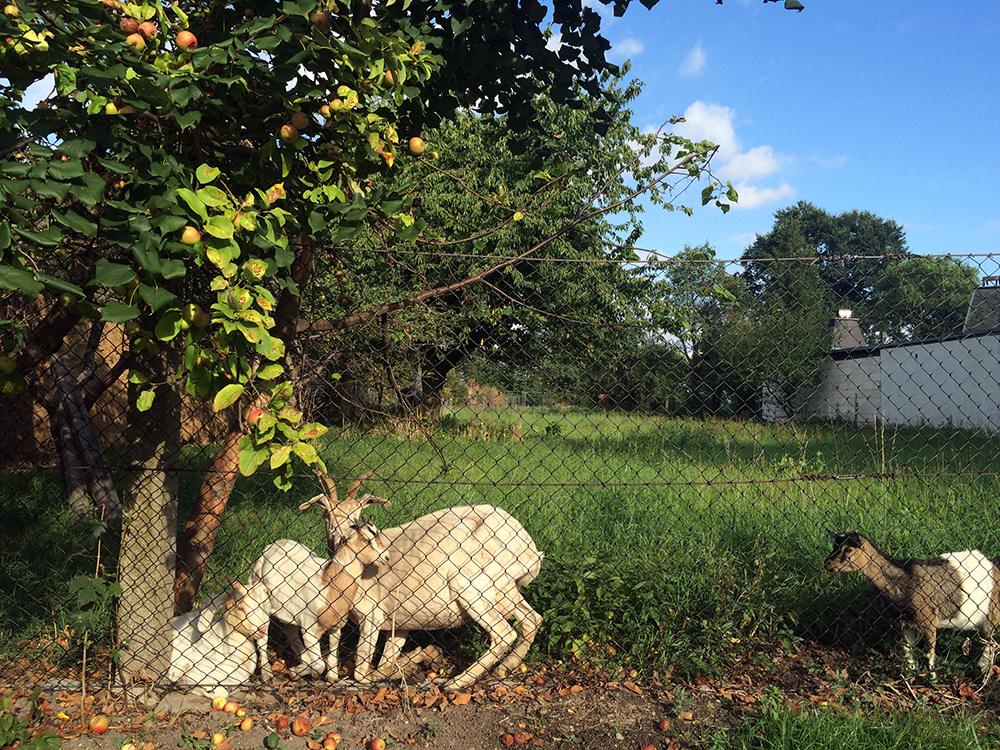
x=634 y=464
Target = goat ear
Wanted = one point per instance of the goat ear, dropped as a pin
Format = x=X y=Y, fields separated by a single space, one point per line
x=321 y=499
x=372 y=500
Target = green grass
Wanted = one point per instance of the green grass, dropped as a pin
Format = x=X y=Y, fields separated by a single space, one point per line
x=778 y=727
x=667 y=540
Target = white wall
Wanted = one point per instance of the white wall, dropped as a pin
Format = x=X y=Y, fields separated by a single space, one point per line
x=947 y=383
x=951 y=383
x=849 y=389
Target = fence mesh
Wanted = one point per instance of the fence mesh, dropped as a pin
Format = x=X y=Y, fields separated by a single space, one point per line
x=643 y=465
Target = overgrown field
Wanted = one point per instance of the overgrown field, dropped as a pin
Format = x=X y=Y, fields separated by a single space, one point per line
x=670 y=544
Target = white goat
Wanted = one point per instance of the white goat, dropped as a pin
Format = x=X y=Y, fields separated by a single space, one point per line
x=209 y=652
x=315 y=593
x=444 y=569
x=957 y=590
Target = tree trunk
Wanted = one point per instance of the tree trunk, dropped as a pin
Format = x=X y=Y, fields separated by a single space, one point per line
x=73 y=412
x=147 y=560
x=434 y=369
x=80 y=504
x=198 y=540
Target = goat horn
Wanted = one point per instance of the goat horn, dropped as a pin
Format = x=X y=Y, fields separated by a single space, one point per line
x=352 y=491
x=328 y=484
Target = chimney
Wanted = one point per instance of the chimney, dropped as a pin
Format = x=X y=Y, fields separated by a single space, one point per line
x=845 y=330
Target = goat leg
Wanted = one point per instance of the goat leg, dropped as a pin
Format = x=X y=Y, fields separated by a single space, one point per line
x=312 y=657
x=502 y=633
x=332 y=661
x=530 y=621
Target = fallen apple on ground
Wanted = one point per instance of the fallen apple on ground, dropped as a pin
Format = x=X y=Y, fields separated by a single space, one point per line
x=99 y=724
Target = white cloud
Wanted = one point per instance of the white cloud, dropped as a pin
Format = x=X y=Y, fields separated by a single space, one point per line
x=694 y=63
x=753 y=197
x=627 y=48
x=714 y=122
x=757 y=162
x=555 y=42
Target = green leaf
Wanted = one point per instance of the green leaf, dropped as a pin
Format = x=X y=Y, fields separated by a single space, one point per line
x=280 y=456
x=206 y=174
x=312 y=430
x=145 y=400
x=270 y=372
x=50 y=237
x=65 y=170
x=173 y=269
x=168 y=326
x=250 y=460
x=219 y=226
x=19 y=279
x=76 y=148
x=54 y=282
x=194 y=202
x=65 y=80
x=110 y=274
x=118 y=312
x=306 y=452
x=92 y=189
x=227 y=396
x=213 y=196
x=156 y=297
x=77 y=223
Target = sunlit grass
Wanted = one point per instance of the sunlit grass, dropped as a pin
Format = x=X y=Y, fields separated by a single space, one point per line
x=664 y=538
x=778 y=727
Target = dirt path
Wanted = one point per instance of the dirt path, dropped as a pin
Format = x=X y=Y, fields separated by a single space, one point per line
x=555 y=706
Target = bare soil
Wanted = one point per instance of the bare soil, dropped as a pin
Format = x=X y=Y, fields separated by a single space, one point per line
x=547 y=706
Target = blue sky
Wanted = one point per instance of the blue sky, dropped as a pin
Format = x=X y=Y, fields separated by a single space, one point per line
x=891 y=107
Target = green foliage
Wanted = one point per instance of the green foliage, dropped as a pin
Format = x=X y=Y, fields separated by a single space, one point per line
x=182 y=192
x=920 y=298
x=15 y=731
x=94 y=599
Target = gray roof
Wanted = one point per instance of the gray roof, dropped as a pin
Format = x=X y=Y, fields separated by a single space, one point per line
x=984 y=310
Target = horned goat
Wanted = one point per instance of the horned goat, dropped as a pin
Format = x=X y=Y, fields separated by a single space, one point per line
x=444 y=569
x=209 y=652
x=315 y=593
x=956 y=590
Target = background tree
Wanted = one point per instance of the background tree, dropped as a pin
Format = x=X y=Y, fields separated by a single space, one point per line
x=918 y=298
x=773 y=340
x=690 y=305
x=559 y=211
x=865 y=266
x=867 y=240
